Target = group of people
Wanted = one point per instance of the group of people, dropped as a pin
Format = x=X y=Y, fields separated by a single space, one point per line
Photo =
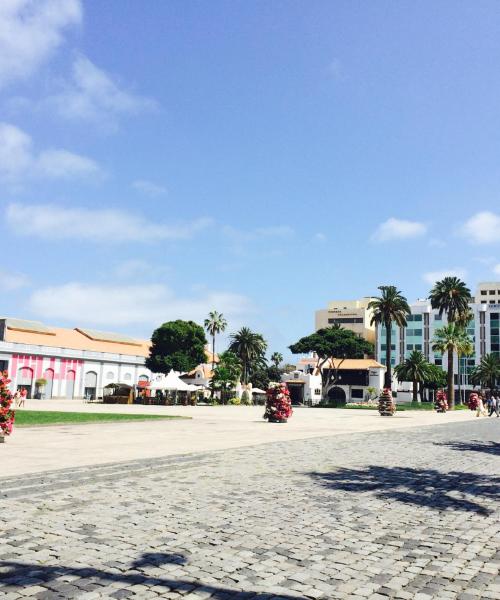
x=485 y=404
x=20 y=397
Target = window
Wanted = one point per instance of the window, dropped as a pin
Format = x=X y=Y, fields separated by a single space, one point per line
x=492 y=301
x=492 y=292
x=384 y=347
x=483 y=292
x=414 y=332
x=438 y=317
x=438 y=362
x=483 y=302
x=317 y=392
x=109 y=375
x=414 y=318
x=345 y=320
x=357 y=394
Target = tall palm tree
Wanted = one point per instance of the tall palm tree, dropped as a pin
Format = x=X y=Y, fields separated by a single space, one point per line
x=450 y=339
x=451 y=296
x=390 y=307
x=466 y=348
x=250 y=347
x=415 y=369
x=214 y=324
x=276 y=359
x=487 y=372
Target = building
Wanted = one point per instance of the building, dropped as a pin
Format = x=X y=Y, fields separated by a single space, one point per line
x=355 y=378
x=350 y=314
x=424 y=320
x=76 y=363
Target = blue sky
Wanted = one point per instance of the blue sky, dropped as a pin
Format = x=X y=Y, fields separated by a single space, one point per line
x=159 y=160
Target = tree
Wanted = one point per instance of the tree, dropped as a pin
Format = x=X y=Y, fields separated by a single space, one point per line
x=413 y=369
x=435 y=378
x=451 y=296
x=260 y=378
x=332 y=346
x=250 y=347
x=388 y=308
x=226 y=374
x=487 y=372
x=276 y=359
x=450 y=339
x=178 y=345
x=466 y=348
x=216 y=323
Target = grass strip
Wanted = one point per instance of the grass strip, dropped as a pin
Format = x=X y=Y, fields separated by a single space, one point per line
x=34 y=418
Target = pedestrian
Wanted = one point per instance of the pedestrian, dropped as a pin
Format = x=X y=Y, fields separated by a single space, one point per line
x=481 y=411
x=17 y=398
x=494 y=405
x=24 y=393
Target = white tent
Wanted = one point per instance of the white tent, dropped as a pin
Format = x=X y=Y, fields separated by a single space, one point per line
x=258 y=391
x=171 y=382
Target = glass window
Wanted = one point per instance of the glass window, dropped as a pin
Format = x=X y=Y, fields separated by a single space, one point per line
x=492 y=292
x=483 y=292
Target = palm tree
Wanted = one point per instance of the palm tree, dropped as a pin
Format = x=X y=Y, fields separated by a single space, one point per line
x=276 y=359
x=451 y=296
x=466 y=348
x=450 y=339
x=391 y=306
x=250 y=347
x=487 y=371
x=415 y=369
x=216 y=323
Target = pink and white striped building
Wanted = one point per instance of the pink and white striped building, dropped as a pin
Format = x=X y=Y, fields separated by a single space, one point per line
x=76 y=363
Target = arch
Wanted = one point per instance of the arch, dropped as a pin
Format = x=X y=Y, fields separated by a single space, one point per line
x=336 y=396
x=70 y=383
x=127 y=377
x=25 y=380
x=143 y=378
x=91 y=379
x=110 y=375
x=49 y=376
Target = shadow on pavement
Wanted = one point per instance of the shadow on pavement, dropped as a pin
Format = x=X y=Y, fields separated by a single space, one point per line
x=474 y=446
x=21 y=575
x=421 y=487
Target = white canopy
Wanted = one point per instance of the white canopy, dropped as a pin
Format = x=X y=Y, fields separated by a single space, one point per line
x=258 y=391
x=171 y=382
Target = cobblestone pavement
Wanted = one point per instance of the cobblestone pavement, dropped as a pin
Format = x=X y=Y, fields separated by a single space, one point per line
x=394 y=514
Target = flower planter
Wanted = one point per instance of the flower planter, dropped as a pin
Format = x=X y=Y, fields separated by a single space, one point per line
x=278 y=405
x=273 y=420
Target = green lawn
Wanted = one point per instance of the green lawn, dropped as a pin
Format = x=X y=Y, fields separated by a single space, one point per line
x=30 y=418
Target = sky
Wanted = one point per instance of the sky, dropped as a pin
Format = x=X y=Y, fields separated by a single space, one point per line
x=160 y=160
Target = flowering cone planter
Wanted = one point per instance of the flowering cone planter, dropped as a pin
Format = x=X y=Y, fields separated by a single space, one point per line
x=386 y=406
x=441 y=403
x=6 y=413
x=278 y=405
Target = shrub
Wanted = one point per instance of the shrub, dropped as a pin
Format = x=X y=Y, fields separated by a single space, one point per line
x=234 y=401
x=246 y=398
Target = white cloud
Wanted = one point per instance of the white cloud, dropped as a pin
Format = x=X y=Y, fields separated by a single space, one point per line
x=101 y=305
x=30 y=31
x=136 y=268
x=482 y=228
x=111 y=226
x=149 y=188
x=18 y=159
x=93 y=96
x=432 y=276
x=13 y=281
x=496 y=269
x=320 y=237
x=398 y=229
x=242 y=235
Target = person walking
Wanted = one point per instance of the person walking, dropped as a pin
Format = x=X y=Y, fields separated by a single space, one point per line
x=24 y=393
x=481 y=411
x=17 y=398
x=494 y=404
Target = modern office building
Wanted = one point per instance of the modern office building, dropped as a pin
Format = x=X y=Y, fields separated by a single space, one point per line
x=350 y=314
x=423 y=321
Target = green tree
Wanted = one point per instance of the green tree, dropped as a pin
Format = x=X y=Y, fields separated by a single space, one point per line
x=388 y=308
x=413 y=369
x=250 y=347
x=214 y=324
x=332 y=346
x=451 y=296
x=487 y=372
x=450 y=339
x=276 y=359
x=178 y=345
x=226 y=374
x=261 y=377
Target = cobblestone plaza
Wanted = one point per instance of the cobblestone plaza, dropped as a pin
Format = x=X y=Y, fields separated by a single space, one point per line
x=390 y=514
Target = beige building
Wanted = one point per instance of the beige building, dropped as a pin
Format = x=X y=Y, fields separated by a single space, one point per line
x=488 y=292
x=350 y=314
